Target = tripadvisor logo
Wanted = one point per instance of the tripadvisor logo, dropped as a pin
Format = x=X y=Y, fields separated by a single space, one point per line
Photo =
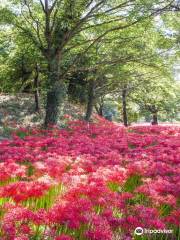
x=140 y=231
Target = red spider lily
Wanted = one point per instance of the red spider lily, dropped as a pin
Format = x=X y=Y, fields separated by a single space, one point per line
x=89 y=181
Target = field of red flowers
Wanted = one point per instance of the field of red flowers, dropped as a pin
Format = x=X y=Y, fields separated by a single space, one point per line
x=95 y=181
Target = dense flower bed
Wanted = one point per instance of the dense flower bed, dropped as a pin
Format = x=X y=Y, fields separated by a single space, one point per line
x=95 y=181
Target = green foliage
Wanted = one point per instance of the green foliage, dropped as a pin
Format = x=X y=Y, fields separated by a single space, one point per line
x=165 y=209
x=77 y=41
x=46 y=201
x=132 y=182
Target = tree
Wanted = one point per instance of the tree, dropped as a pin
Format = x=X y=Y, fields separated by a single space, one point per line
x=132 y=57
x=20 y=64
x=55 y=27
x=155 y=96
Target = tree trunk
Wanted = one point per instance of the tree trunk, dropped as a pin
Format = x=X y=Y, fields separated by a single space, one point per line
x=55 y=93
x=54 y=99
x=90 y=102
x=99 y=110
x=36 y=89
x=124 y=108
x=155 y=119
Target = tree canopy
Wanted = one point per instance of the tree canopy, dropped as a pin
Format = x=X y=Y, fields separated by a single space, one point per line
x=90 y=49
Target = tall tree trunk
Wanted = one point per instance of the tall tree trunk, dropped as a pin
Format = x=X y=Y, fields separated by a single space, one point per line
x=55 y=93
x=90 y=102
x=36 y=89
x=54 y=99
x=155 y=119
x=124 y=108
x=99 y=109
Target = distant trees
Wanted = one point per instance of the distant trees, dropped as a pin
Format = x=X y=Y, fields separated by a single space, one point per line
x=155 y=98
